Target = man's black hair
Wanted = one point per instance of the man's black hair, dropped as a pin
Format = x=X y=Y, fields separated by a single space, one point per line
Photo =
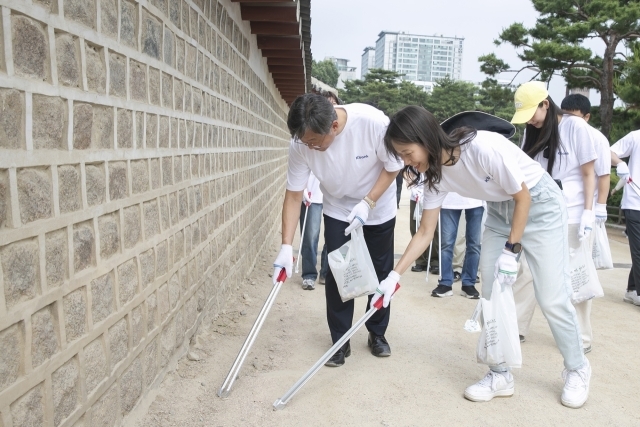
x=310 y=112
x=576 y=102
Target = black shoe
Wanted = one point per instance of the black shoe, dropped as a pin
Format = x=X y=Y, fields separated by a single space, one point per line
x=418 y=268
x=477 y=279
x=456 y=276
x=434 y=270
x=470 y=292
x=378 y=345
x=442 y=291
x=521 y=338
x=338 y=358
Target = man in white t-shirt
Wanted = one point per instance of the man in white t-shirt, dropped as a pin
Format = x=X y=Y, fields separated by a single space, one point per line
x=344 y=148
x=629 y=146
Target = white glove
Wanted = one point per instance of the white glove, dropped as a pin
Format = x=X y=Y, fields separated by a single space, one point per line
x=283 y=260
x=385 y=289
x=506 y=269
x=622 y=170
x=586 y=224
x=357 y=217
x=306 y=197
x=601 y=213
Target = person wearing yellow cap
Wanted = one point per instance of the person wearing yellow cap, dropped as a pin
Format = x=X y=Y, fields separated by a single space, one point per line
x=525 y=211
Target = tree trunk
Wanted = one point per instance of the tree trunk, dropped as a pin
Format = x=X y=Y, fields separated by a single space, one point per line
x=606 y=90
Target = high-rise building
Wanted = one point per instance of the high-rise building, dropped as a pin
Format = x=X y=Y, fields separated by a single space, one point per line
x=419 y=57
x=368 y=60
x=346 y=72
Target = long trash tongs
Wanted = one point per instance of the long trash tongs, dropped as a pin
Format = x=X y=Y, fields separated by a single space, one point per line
x=246 y=347
x=280 y=403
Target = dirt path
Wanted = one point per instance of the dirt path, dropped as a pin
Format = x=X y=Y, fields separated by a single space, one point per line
x=421 y=384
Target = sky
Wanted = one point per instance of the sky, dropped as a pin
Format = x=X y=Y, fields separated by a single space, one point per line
x=343 y=28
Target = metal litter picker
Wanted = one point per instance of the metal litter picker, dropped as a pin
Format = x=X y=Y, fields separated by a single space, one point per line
x=280 y=403
x=248 y=343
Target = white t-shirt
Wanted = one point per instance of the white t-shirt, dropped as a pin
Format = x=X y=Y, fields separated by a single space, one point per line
x=350 y=167
x=629 y=146
x=457 y=202
x=603 y=163
x=490 y=168
x=313 y=186
x=578 y=148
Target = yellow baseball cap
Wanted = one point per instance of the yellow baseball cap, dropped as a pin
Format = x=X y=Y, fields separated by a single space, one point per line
x=526 y=99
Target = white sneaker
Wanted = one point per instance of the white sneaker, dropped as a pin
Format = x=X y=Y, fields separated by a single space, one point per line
x=494 y=384
x=308 y=284
x=576 y=386
x=631 y=297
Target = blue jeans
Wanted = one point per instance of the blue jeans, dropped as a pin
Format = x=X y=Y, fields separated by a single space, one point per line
x=309 y=249
x=449 y=219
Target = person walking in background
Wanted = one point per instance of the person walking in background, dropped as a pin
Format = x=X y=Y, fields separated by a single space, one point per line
x=422 y=262
x=312 y=201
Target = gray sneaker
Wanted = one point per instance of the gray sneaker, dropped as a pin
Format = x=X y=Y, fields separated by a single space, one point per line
x=308 y=284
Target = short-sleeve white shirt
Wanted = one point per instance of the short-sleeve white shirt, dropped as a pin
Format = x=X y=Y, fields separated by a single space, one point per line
x=350 y=167
x=629 y=146
x=313 y=187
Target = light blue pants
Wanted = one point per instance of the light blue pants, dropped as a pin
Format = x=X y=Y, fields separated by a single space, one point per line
x=546 y=247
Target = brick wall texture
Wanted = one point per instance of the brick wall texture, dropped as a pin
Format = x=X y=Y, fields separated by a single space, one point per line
x=142 y=157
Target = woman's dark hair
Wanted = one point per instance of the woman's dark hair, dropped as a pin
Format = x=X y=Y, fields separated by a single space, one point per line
x=547 y=138
x=310 y=112
x=414 y=124
x=330 y=95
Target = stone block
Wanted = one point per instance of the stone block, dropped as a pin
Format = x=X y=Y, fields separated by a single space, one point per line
x=75 y=314
x=28 y=410
x=96 y=68
x=178 y=94
x=139 y=176
x=131 y=386
x=184 y=278
x=177 y=169
x=105 y=412
x=167 y=91
x=164 y=135
x=162 y=258
x=125 y=129
x=162 y=5
x=168 y=47
x=167 y=341
x=188 y=107
x=147 y=267
x=132 y=230
x=12 y=354
x=167 y=171
x=65 y=385
x=69 y=187
x=138 y=81
x=49 y=122
x=68 y=59
x=129 y=23
x=56 y=257
x=179 y=245
x=34 y=194
x=193 y=23
x=118 y=187
x=163 y=302
x=102 y=127
x=109 y=230
x=109 y=18
x=173 y=208
x=152 y=312
x=195 y=167
x=82 y=125
x=30 y=48
x=102 y=297
x=183 y=204
x=186 y=167
x=95 y=360
x=195 y=233
x=4 y=197
x=118 y=75
x=185 y=17
x=20 y=271
x=151 y=35
x=139 y=130
x=118 y=342
x=96 y=183
x=44 y=335
x=151 y=219
x=83 y=246
x=179 y=327
x=192 y=201
x=152 y=131
x=154 y=86
x=174 y=132
x=156 y=174
x=137 y=325
x=197 y=101
x=11 y=119
x=128 y=280
x=82 y=11
x=174 y=12
x=150 y=362
x=174 y=291
x=180 y=46
x=164 y=213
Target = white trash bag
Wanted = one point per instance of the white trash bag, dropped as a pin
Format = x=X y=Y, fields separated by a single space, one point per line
x=352 y=268
x=584 y=279
x=601 y=253
x=499 y=343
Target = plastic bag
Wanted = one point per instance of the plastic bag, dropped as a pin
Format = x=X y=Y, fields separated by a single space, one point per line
x=499 y=343
x=472 y=324
x=584 y=279
x=352 y=268
x=417 y=213
x=601 y=253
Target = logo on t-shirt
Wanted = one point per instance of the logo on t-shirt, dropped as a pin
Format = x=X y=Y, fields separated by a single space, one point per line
x=487 y=179
x=362 y=157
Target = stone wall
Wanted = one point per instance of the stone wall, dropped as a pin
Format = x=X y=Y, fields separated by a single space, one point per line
x=142 y=155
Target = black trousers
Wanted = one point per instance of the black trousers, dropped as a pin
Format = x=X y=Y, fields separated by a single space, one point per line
x=423 y=260
x=632 y=219
x=379 y=240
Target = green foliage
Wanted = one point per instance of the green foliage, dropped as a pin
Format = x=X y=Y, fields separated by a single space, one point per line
x=627 y=85
x=450 y=97
x=616 y=199
x=624 y=121
x=325 y=71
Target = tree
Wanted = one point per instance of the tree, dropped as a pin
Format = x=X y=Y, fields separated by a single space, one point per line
x=496 y=99
x=325 y=71
x=451 y=97
x=385 y=90
x=554 y=44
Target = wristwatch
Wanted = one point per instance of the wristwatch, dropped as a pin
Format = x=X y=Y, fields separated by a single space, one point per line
x=370 y=202
x=516 y=248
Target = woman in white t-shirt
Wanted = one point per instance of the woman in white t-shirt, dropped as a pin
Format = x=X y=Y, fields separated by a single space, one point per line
x=525 y=210
x=564 y=146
